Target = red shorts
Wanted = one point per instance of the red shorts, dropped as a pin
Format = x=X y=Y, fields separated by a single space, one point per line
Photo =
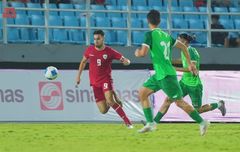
x=100 y=89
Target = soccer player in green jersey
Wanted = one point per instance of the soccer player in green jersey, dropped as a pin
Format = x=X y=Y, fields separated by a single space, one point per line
x=160 y=44
x=190 y=84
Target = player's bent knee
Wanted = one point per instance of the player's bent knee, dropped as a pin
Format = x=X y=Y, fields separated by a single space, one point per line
x=142 y=94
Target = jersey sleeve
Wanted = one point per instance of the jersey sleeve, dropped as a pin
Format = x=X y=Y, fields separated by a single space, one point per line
x=147 y=39
x=115 y=54
x=193 y=54
x=86 y=53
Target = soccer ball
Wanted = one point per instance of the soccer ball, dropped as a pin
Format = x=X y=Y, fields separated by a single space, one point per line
x=51 y=73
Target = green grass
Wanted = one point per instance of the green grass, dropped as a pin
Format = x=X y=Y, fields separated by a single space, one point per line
x=75 y=137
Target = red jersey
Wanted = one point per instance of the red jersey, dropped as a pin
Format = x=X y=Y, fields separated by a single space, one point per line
x=100 y=63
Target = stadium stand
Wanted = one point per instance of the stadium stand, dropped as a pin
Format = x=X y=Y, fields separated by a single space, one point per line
x=76 y=18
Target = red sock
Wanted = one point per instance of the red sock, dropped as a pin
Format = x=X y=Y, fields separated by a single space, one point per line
x=121 y=113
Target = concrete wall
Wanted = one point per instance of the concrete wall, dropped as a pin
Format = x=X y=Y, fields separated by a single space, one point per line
x=73 y=54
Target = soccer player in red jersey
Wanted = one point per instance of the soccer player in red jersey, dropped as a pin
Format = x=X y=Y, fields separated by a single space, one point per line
x=100 y=59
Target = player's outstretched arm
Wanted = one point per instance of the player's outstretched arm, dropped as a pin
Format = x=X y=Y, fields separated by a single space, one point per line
x=183 y=48
x=82 y=66
x=125 y=61
x=141 y=52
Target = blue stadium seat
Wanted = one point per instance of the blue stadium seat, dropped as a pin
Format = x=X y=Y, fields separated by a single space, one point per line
x=201 y=37
x=10 y=21
x=37 y=20
x=83 y=22
x=177 y=16
x=227 y=23
x=137 y=37
x=143 y=8
x=160 y=8
x=70 y=21
x=164 y=16
x=183 y=3
x=224 y=16
x=174 y=35
x=1 y=7
x=97 y=7
x=41 y=35
x=112 y=7
x=235 y=10
x=1 y=21
x=220 y=9
x=202 y=9
x=1 y=35
x=110 y=38
x=237 y=24
x=79 y=7
x=144 y=23
x=25 y=35
x=52 y=6
x=34 y=5
x=77 y=36
x=21 y=19
x=111 y=2
x=66 y=6
x=155 y=3
x=203 y=17
x=122 y=37
x=178 y=23
x=60 y=36
x=191 y=16
x=119 y=22
x=174 y=3
x=139 y=3
x=136 y=23
x=195 y=24
x=55 y=21
x=122 y=2
x=111 y=14
x=163 y=24
x=102 y=22
x=189 y=9
x=176 y=9
x=13 y=35
x=18 y=5
x=233 y=35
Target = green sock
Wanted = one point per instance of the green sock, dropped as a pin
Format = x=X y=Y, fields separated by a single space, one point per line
x=148 y=114
x=158 y=117
x=214 y=106
x=195 y=116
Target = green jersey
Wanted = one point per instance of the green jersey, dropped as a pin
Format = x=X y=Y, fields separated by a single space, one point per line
x=160 y=45
x=188 y=78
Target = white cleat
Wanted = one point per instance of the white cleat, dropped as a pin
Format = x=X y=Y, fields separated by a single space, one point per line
x=203 y=127
x=130 y=126
x=148 y=127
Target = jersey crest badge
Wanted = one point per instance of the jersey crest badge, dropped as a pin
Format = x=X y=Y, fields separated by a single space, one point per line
x=105 y=56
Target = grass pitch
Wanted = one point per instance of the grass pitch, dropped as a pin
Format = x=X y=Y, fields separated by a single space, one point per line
x=75 y=137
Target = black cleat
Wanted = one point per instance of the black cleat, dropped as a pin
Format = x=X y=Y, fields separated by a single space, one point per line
x=222 y=108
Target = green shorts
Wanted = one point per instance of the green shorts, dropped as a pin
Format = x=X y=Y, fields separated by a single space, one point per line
x=194 y=92
x=169 y=85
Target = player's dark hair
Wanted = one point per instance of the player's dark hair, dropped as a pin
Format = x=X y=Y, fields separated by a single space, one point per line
x=99 y=32
x=153 y=17
x=187 y=37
